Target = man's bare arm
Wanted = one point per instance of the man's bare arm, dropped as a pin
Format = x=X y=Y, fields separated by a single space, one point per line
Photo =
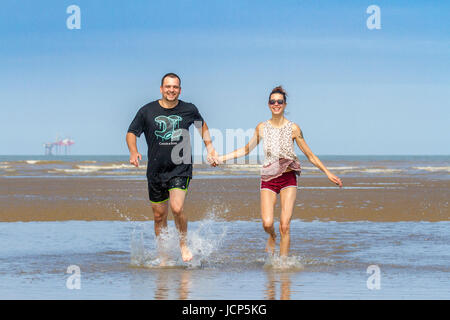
x=212 y=154
x=206 y=138
x=135 y=156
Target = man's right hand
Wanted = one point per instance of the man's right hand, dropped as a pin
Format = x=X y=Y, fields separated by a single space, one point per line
x=134 y=158
x=212 y=158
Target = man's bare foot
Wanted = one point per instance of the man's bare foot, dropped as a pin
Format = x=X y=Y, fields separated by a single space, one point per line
x=186 y=254
x=163 y=260
x=271 y=242
x=162 y=263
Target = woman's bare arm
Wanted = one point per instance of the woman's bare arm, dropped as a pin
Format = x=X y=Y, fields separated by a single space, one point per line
x=254 y=141
x=299 y=139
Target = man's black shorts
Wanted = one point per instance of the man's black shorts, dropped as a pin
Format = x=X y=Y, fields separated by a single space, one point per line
x=159 y=191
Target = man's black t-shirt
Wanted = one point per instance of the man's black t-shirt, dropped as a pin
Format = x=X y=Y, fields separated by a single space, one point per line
x=167 y=136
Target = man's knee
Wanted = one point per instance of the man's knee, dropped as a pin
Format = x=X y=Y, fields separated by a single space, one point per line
x=159 y=213
x=176 y=207
x=160 y=217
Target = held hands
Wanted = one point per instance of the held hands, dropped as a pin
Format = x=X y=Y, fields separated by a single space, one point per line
x=212 y=158
x=220 y=159
x=134 y=158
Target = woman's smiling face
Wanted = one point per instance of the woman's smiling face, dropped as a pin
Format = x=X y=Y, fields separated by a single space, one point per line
x=277 y=103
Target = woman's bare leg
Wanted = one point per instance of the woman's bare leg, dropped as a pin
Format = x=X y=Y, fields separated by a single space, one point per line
x=268 y=200
x=287 y=200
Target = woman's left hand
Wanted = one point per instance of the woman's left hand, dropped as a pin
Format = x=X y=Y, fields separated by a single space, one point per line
x=334 y=179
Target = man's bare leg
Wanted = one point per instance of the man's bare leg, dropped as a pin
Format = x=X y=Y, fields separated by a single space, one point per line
x=177 y=198
x=160 y=212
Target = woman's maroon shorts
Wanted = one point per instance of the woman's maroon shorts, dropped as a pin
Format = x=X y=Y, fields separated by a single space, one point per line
x=287 y=179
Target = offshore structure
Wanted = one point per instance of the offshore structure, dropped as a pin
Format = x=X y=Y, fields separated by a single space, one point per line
x=58 y=146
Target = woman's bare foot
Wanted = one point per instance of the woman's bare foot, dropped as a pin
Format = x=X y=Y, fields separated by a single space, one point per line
x=271 y=242
x=186 y=254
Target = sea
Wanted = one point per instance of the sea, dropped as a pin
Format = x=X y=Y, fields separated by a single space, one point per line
x=368 y=260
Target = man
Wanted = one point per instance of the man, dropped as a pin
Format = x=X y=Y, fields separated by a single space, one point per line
x=165 y=123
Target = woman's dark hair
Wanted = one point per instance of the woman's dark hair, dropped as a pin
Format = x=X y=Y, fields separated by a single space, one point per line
x=279 y=90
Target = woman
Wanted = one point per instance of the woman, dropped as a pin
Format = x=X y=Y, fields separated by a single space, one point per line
x=281 y=167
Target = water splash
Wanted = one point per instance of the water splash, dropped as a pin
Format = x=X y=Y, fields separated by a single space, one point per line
x=289 y=263
x=138 y=254
x=204 y=238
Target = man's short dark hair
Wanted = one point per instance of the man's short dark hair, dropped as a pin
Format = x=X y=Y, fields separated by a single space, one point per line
x=170 y=75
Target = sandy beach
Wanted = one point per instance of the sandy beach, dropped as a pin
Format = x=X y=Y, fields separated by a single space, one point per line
x=361 y=199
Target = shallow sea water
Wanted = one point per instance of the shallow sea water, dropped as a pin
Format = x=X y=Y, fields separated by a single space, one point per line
x=328 y=260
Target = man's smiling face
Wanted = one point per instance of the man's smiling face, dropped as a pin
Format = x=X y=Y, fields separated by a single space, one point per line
x=170 y=89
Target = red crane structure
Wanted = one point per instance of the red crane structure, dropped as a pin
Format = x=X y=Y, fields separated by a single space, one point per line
x=58 y=145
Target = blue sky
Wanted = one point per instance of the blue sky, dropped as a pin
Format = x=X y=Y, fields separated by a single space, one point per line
x=352 y=90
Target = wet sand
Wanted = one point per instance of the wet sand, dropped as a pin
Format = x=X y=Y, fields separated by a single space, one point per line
x=363 y=199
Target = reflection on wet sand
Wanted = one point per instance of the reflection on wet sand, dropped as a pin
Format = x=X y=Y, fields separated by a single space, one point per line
x=274 y=278
x=162 y=284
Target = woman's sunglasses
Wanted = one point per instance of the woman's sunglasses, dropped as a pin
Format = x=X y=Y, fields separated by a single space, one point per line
x=276 y=101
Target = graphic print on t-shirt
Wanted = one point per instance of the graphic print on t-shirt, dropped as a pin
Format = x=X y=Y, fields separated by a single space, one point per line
x=169 y=127
x=167 y=136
